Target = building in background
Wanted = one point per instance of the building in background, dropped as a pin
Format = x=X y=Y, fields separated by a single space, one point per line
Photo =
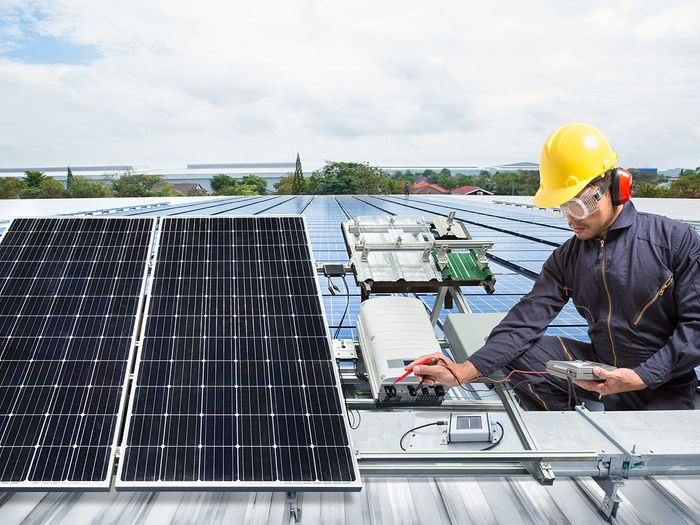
x=471 y=190
x=427 y=188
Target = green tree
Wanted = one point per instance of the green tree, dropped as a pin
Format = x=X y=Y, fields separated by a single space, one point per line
x=220 y=181
x=238 y=189
x=69 y=178
x=687 y=185
x=466 y=180
x=84 y=188
x=446 y=180
x=33 y=179
x=285 y=186
x=11 y=187
x=257 y=182
x=226 y=185
x=137 y=185
x=342 y=178
x=298 y=181
x=484 y=180
x=165 y=190
x=46 y=188
x=431 y=175
x=646 y=189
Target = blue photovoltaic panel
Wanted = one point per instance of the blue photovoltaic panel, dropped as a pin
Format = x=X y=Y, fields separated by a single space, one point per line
x=70 y=293
x=235 y=385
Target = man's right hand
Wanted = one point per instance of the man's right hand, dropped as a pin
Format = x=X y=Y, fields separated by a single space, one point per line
x=436 y=370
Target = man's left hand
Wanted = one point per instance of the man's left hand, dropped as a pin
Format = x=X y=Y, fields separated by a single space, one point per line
x=616 y=381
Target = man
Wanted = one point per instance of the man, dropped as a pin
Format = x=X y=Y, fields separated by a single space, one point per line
x=634 y=277
x=406 y=189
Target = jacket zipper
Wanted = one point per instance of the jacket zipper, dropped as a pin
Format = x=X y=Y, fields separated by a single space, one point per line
x=529 y=386
x=607 y=291
x=587 y=310
x=658 y=294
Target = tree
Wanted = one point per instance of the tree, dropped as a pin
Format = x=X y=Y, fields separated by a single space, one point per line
x=220 y=181
x=226 y=185
x=11 y=188
x=165 y=190
x=466 y=180
x=446 y=180
x=84 y=188
x=33 y=179
x=646 y=189
x=137 y=185
x=343 y=178
x=687 y=185
x=285 y=186
x=430 y=175
x=45 y=188
x=256 y=181
x=298 y=182
x=69 y=178
x=238 y=189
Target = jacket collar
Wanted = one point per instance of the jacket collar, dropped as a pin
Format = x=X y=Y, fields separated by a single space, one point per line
x=627 y=216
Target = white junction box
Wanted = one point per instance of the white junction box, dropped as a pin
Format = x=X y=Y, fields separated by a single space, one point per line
x=393 y=332
x=469 y=427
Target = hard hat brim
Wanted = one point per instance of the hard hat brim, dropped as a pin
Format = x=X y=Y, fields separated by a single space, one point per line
x=550 y=198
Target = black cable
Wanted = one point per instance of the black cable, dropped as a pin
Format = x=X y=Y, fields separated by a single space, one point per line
x=437 y=423
x=347 y=306
x=571 y=388
x=362 y=376
x=503 y=431
x=359 y=419
x=351 y=417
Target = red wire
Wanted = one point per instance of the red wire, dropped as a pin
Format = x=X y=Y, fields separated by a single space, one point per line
x=506 y=378
x=492 y=379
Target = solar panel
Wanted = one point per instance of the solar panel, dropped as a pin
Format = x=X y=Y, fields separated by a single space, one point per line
x=70 y=294
x=235 y=384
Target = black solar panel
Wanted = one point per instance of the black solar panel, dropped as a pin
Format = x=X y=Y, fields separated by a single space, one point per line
x=70 y=292
x=235 y=384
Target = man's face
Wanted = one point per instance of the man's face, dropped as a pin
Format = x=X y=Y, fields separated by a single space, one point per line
x=596 y=223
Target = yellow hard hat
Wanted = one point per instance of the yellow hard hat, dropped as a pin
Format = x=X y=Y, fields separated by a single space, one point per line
x=572 y=157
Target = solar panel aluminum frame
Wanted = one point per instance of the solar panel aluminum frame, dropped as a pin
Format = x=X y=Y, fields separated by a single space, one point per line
x=92 y=486
x=236 y=486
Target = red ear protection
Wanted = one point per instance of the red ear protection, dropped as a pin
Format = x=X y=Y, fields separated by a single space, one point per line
x=620 y=186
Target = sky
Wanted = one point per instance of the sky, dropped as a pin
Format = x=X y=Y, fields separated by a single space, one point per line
x=394 y=83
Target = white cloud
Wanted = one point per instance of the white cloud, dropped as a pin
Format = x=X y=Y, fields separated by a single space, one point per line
x=385 y=82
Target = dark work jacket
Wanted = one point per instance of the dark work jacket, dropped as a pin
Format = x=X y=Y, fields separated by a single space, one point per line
x=638 y=289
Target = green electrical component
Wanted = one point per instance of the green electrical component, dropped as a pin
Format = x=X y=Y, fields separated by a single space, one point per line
x=464 y=267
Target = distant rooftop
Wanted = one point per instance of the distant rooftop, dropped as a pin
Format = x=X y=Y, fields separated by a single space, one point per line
x=242 y=165
x=65 y=168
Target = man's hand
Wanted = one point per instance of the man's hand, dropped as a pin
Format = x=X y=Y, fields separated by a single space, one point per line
x=437 y=370
x=616 y=381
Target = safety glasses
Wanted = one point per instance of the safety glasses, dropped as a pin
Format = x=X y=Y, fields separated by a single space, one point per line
x=584 y=205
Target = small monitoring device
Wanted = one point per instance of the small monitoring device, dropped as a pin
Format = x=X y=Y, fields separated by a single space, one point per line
x=471 y=427
x=576 y=370
x=393 y=332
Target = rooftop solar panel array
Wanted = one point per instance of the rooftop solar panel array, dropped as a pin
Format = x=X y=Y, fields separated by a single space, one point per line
x=235 y=386
x=70 y=293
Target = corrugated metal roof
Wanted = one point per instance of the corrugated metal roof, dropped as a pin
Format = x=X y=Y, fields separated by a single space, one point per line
x=384 y=501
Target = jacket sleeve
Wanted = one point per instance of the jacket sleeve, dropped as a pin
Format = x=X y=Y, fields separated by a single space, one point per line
x=681 y=353
x=527 y=320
